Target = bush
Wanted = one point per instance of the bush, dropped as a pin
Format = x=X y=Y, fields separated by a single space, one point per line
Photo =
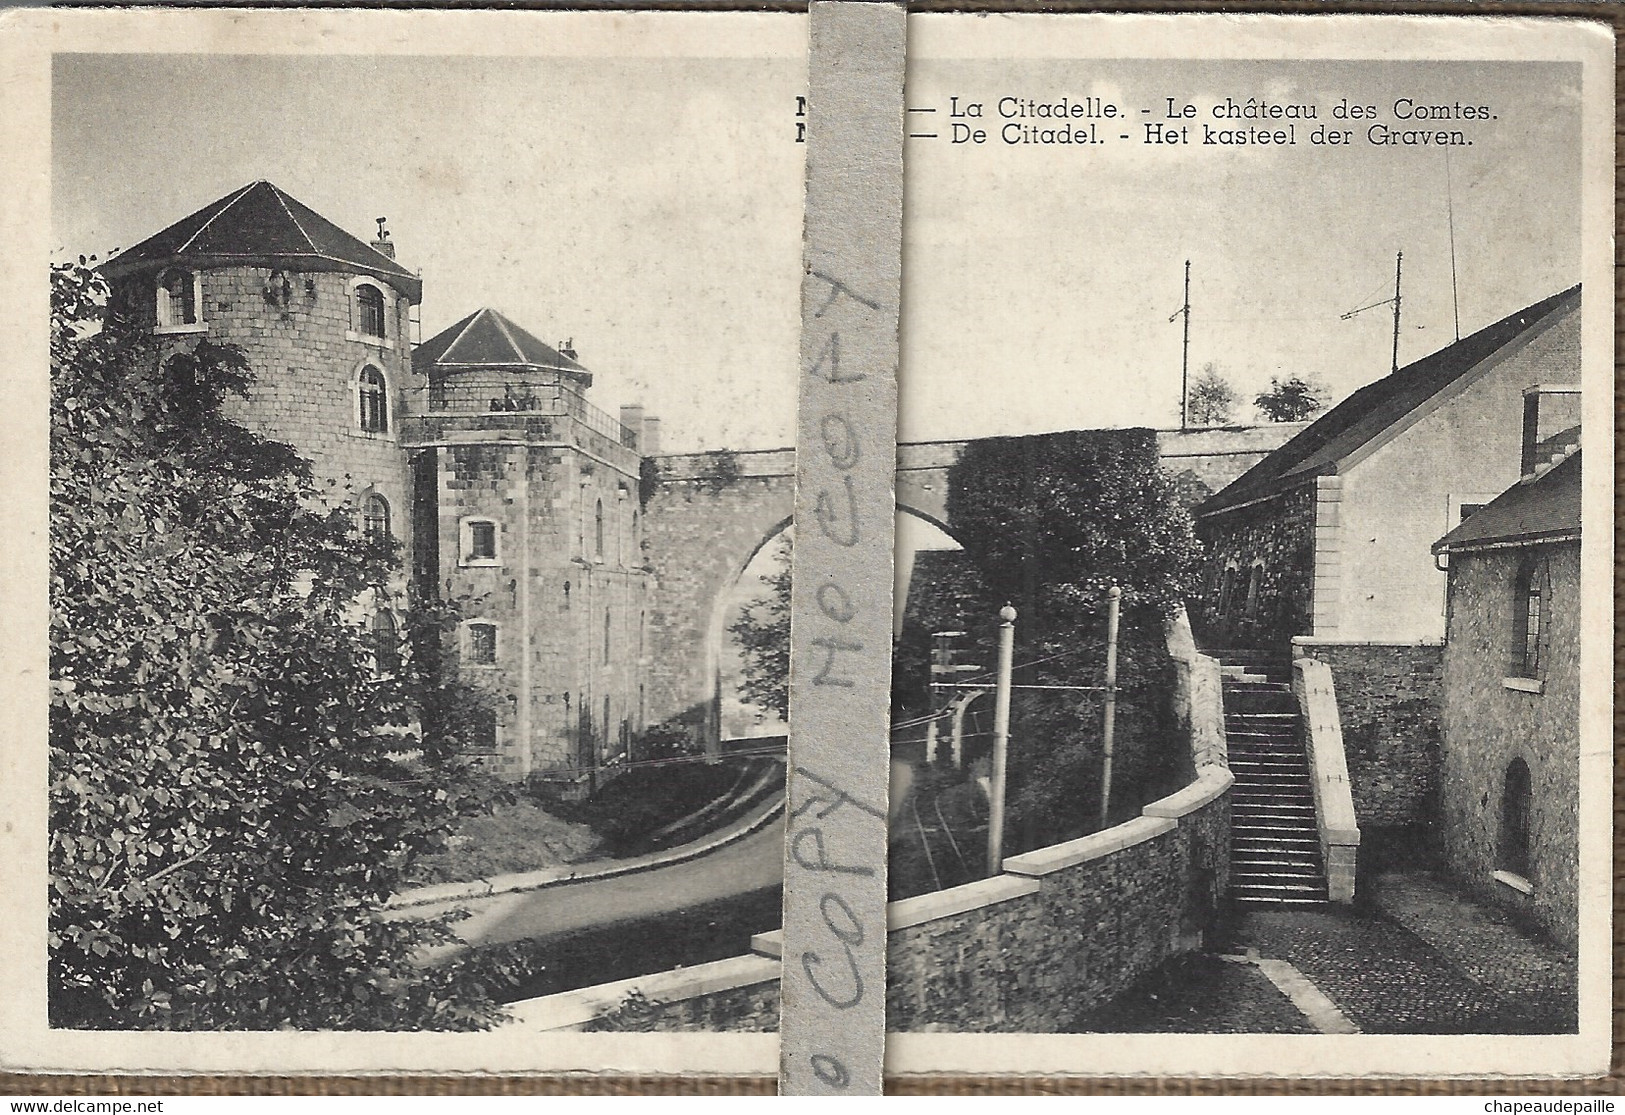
x=235 y=787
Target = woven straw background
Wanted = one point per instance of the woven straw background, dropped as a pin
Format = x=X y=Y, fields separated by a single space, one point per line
x=1611 y=12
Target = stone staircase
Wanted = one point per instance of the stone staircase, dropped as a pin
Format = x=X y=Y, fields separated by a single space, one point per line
x=1275 y=855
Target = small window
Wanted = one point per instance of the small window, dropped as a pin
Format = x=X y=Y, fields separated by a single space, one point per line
x=1527 y=622
x=278 y=290
x=1227 y=589
x=177 y=298
x=1255 y=580
x=606 y=636
x=1512 y=851
x=482 y=731
x=482 y=644
x=375 y=520
x=598 y=531
x=369 y=307
x=479 y=542
x=374 y=397
x=386 y=642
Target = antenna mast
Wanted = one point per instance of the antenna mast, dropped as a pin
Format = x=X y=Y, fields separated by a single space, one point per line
x=1399 y=261
x=1185 y=354
x=1450 y=208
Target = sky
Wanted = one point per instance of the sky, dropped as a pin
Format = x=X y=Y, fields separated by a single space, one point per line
x=1039 y=281
x=650 y=210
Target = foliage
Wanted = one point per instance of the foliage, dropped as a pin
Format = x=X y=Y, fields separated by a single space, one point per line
x=1052 y=522
x=1294 y=399
x=632 y=812
x=648 y=481
x=723 y=467
x=237 y=781
x=635 y=1012
x=763 y=634
x=1212 y=401
x=669 y=739
x=514 y=836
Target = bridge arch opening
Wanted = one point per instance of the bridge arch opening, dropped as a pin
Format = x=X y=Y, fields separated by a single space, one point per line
x=753 y=580
x=752 y=584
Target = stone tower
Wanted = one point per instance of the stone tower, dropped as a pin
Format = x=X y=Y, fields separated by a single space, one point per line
x=321 y=316
x=527 y=512
x=478 y=452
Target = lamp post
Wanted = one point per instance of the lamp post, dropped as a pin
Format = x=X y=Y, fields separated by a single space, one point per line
x=1001 y=741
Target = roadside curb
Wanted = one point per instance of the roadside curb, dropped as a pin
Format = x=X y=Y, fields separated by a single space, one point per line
x=557 y=876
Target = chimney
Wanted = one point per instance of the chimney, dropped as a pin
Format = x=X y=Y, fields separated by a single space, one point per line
x=1551 y=425
x=567 y=348
x=383 y=245
x=632 y=419
x=651 y=436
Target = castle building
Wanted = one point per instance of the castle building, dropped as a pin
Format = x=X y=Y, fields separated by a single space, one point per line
x=477 y=451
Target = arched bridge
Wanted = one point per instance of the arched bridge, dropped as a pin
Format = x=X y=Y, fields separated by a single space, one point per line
x=711 y=513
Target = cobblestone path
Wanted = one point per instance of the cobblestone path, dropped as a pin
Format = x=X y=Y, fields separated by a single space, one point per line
x=1414 y=958
x=1199 y=994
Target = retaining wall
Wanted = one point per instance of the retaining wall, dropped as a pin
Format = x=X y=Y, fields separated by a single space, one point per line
x=1388 y=701
x=1058 y=932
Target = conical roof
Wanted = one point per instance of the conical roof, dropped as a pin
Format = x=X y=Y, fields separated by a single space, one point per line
x=261 y=224
x=486 y=339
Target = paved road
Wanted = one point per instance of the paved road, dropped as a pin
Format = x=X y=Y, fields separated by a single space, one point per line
x=750 y=864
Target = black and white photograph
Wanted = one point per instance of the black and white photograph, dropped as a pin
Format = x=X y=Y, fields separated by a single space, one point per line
x=1238 y=676
x=403 y=470
x=420 y=430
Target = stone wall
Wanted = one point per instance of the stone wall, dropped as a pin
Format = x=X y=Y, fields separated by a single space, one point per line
x=1098 y=912
x=1205 y=460
x=1278 y=537
x=1388 y=700
x=1490 y=720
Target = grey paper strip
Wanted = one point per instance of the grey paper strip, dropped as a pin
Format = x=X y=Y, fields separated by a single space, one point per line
x=834 y=1021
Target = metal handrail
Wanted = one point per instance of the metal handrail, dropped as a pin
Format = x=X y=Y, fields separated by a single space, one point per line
x=480 y=397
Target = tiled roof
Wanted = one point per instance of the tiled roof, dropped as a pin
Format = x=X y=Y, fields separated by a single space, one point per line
x=1542 y=508
x=1366 y=414
x=487 y=339
x=261 y=224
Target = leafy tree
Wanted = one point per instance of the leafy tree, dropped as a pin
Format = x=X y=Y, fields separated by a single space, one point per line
x=1212 y=401
x=240 y=771
x=763 y=634
x=1052 y=522
x=1294 y=399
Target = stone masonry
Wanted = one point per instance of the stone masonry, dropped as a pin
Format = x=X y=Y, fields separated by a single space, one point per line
x=1388 y=699
x=1488 y=723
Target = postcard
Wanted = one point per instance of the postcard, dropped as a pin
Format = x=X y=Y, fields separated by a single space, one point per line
x=420 y=408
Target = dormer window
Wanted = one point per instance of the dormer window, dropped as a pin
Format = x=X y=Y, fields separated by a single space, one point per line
x=369 y=306
x=372 y=394
x=179 y=296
